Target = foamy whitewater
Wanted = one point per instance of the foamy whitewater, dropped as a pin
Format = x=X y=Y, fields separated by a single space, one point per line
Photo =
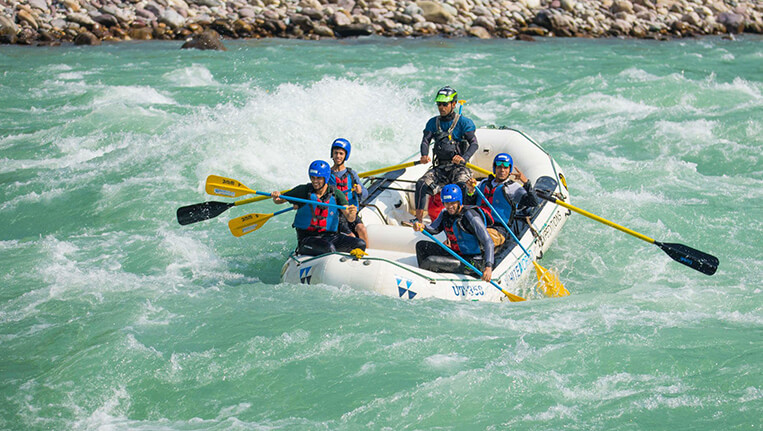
x=114 y=317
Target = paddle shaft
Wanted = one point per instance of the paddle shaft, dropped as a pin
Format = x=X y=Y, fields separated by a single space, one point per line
x=511 y=296
x=683 y=254
x=306 y=201
x=389 y=169
x=597 y=218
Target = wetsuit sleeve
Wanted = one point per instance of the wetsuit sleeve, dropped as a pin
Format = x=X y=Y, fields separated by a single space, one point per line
x=471 y=200
x=471 y=138
x=425 y=140
x=301 y=191
x=529 y=199
x=429 y=131
x=475 y=198
x=436 y=226
x=364 y=192
x=480 y=231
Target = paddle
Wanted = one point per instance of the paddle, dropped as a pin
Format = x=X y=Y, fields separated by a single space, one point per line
x=693 y=258
x=211 y=209
x=251 y=222
x=549 y=282
x=389 y=169
x=228 y=187
x=511 y=296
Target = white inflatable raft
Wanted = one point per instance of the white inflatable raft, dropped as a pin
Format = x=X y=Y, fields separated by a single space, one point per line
x=391 y=267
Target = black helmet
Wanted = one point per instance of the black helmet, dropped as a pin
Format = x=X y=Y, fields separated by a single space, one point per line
x=446 y=94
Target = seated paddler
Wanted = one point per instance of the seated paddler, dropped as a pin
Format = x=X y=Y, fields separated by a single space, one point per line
x=467 y=235
x=509 y=192
x=317 y=225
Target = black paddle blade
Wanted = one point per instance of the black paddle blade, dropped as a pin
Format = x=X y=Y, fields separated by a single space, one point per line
x=203 y=211
x=693 y=258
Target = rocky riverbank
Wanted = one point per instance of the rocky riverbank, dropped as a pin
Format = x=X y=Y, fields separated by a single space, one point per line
x=46 y=22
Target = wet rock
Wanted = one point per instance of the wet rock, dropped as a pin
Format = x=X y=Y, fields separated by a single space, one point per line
x=353 y=30
x=26 y=36
x=543 y=19
x=322 y=30
x=222 y=27
x=480 y=32
x=140 y=33
x=621 y=27
x=87 y=38
x=8 y=30
x=106 y=20
x=209 y=39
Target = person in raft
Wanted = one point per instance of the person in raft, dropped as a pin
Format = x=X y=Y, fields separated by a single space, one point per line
x=454 y=144
x=317 y=226
x=509 y=191
x=347 y=181
x=467 y=235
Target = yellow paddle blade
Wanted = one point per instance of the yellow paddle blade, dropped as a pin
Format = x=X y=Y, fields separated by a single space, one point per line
x=512 y=297
x=549 y=283
x=248 y=223
x=228 y=187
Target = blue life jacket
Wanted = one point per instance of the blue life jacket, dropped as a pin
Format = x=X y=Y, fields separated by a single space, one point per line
x=316 y=218
x=497 y=198
x=460 y=240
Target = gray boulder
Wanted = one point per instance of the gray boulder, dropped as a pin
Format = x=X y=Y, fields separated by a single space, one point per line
x=733 y=22
x=434 y=12
x=172 y=19
x=8 y=30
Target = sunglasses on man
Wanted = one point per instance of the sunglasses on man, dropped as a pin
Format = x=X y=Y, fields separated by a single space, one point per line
x=503 y=163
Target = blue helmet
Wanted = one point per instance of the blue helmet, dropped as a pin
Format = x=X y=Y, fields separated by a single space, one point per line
x=504 y=158
x=319 y=168
x=451 y=193
x=343 y=144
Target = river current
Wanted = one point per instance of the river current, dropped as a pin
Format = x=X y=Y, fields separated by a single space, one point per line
x=114 y=317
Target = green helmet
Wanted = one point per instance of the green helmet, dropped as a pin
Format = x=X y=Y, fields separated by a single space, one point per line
x=446 y=94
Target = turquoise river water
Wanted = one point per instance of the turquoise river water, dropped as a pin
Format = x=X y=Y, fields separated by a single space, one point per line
x=114 y=317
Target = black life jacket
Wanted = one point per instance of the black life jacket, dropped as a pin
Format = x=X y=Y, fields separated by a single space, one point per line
x=445 y=148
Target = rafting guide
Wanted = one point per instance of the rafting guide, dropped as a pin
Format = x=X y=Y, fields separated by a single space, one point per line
x=455 y=142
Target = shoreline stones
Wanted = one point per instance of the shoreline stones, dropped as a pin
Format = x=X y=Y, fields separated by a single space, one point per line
x=50 y=22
